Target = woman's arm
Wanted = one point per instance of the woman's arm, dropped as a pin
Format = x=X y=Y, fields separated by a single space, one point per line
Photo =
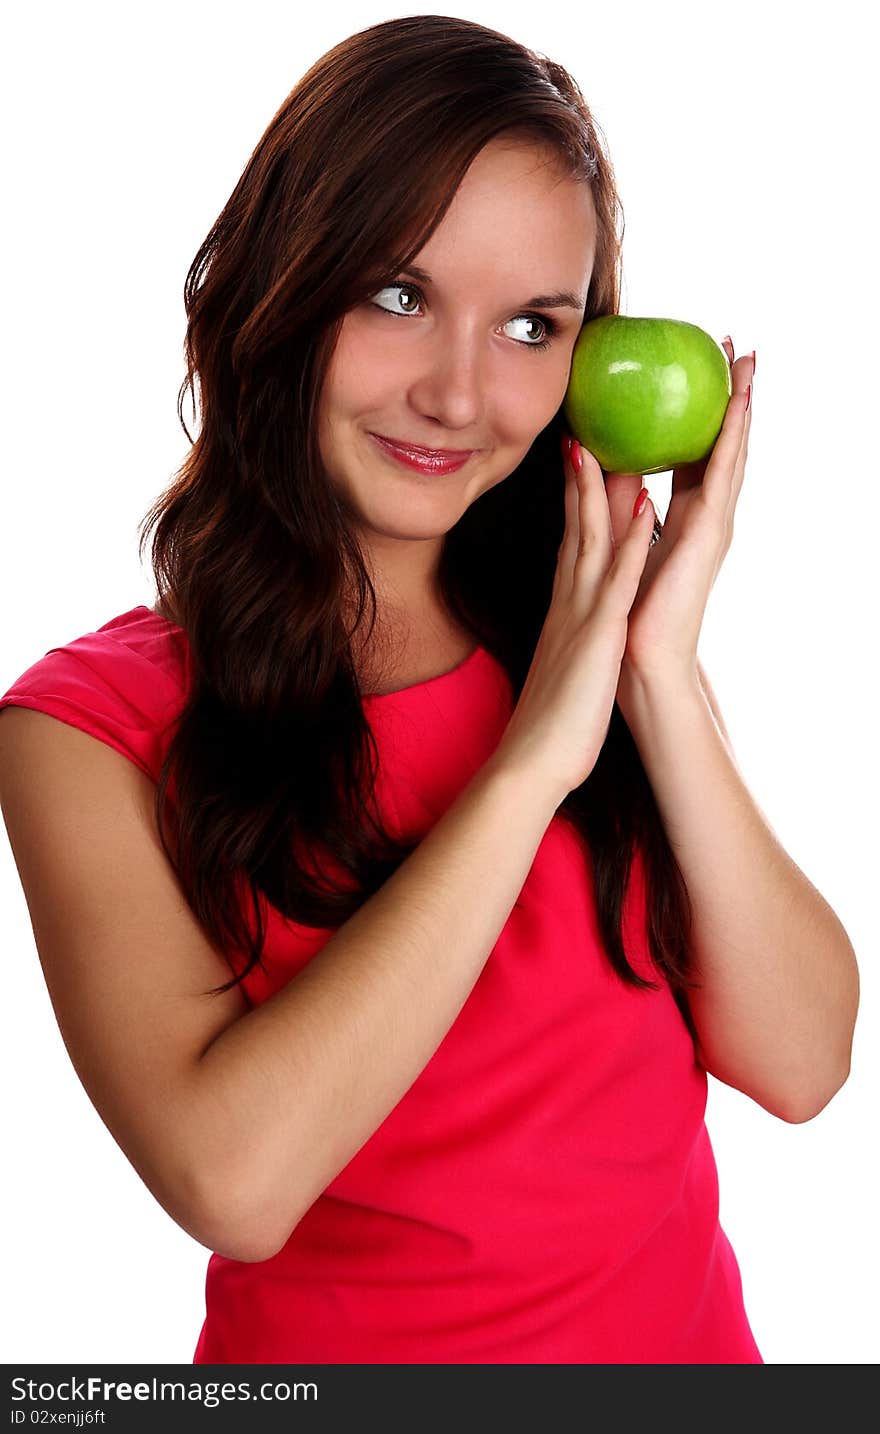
x=779 y=981
x=237 y=1119
x=716 y=710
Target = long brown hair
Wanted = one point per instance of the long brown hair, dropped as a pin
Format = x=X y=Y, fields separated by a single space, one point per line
x=272 y=758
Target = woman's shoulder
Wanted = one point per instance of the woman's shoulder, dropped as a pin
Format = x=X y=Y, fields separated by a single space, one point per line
x=136 y=651
x=123 y=682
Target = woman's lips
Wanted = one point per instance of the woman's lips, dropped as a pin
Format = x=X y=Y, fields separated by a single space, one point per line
x=423 y=462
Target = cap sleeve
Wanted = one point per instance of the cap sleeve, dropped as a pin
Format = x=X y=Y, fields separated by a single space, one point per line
x=127 y=696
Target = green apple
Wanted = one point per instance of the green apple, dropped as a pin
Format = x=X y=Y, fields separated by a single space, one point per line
x=645 y=395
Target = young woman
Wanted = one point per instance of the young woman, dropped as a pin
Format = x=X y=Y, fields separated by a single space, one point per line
x=416 y=745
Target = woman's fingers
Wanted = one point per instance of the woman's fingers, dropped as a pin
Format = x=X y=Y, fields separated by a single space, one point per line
x=621 y=491
x=589 y=554
x=732 y=440
x=581 y=548
x=595 y=547
x=568 y=546
x=629 y=561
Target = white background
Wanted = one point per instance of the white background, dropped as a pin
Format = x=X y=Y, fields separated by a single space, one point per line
x=744 y=142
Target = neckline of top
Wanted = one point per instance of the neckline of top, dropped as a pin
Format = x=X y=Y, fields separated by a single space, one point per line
x=426 y=682
x=460 y=667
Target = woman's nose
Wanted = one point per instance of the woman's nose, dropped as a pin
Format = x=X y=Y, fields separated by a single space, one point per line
x=451 y=383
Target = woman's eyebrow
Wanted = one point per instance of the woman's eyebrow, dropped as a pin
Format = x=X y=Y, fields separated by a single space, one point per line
x=564 y=299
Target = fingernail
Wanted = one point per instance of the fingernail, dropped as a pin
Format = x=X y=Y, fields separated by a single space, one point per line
x=748 y=396
x=640 y=502
x=753 y=362
x=576 y=455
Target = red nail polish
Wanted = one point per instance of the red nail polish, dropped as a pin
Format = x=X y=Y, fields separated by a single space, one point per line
x=640 y=502
x=576 y=455
x=748 y=396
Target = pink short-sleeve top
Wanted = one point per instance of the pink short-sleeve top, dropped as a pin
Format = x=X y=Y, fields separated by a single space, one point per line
x=545 y=1192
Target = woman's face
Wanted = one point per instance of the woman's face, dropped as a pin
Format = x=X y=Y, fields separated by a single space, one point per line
x=455 y=363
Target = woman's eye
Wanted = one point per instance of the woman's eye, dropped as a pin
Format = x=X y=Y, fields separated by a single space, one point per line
x=401 y=289
x=542 y=323
x=547 y=325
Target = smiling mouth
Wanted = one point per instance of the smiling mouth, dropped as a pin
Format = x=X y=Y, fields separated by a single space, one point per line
x=455 y=454
x=421 y=461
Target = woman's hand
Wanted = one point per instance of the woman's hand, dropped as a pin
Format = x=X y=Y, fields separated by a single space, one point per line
x=564 y=710
x=667 y=613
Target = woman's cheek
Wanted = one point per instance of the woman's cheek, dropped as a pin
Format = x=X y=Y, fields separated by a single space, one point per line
x=534 y=401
